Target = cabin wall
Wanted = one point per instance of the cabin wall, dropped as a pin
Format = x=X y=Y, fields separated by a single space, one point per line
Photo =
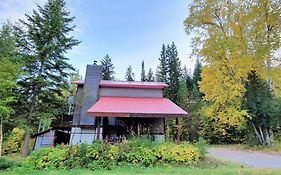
x=45 y=140
x=129 y=92
x=84 y=135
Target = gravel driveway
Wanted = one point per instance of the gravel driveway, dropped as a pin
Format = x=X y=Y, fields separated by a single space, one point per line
x=251 y=159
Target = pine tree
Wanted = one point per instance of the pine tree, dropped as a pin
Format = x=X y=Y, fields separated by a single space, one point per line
x=263 y=108
x=150 y=77
x=187 y=78
x=107 y=68
x=162 y=68
x=44 y=38
x=143 y=77
x=157 y=75
x=174 y=73
x=8 y=42
x=129 y=74
x=197 y=95
x=196 y=74
x=173 y=79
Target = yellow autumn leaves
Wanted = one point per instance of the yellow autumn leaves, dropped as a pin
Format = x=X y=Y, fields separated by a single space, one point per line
x=233 y=38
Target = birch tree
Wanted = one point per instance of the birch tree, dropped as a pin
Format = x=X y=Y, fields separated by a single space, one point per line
x=233 y=38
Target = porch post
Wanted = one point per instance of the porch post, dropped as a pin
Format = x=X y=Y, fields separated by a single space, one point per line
x=138 y=127
x=177 y=131
x=98 y=124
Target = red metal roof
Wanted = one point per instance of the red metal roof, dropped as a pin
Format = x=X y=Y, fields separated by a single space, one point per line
x=127 y=84
x=135 y=107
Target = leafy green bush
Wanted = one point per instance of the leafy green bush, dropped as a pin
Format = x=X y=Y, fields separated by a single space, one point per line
x=107 y=156
x=52 y=157
x=6 y=164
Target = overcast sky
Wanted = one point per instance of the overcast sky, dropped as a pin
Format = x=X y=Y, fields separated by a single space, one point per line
x=128 y=30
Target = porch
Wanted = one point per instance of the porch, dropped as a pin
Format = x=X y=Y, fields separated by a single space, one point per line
x=117 y=117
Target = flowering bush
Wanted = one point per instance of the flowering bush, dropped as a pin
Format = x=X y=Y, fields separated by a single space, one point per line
x=170 y=153
x=107 y=156
x=13 y=144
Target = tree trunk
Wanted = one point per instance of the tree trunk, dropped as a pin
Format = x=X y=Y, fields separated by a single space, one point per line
x=26 y=141
x=262 y=135
x=267 y=137
x=39 y=127
x=1 y=137
x=258 y=136
x=271 y=135
x=29 y=122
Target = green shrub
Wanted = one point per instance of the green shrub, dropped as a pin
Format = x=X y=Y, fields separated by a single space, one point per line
x=53 y=157
x=6 y=164
x=107 y=156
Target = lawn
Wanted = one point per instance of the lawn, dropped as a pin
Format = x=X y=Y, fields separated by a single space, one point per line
x=223 y=170
x=274 y=149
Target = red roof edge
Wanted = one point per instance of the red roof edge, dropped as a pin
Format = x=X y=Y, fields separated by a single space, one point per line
x=127 y=84
x=78 y=82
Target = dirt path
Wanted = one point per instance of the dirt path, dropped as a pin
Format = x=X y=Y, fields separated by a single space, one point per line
x=251 y=159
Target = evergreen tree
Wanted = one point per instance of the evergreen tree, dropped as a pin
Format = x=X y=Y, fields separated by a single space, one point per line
x=44 y=40
x=197 y=74
x=174 y=73
x=143 y=77
x=8 y=43
x=187 y=78
x=129 y=74
x=162 y=68
x=173 y=79
x=150 y=77
x=157 y=75
x=263 y=107
x=107 y=68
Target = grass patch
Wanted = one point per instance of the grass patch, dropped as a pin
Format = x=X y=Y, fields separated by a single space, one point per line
x=274 y=149
x=228 y=169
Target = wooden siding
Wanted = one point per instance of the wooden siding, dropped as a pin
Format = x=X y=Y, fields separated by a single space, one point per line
x=126 y=92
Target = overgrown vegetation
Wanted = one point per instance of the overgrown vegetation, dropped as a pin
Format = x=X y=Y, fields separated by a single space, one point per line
x=6 y=164
x=107 y=156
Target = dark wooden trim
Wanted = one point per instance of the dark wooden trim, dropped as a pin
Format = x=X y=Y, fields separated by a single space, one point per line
x=137 y=115
x=67 y=128
x=145 y=115
x=106 y=114
x=99 y=127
